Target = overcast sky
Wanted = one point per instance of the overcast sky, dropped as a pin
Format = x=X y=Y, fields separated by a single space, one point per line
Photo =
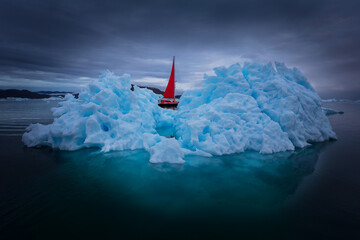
x=62 y=45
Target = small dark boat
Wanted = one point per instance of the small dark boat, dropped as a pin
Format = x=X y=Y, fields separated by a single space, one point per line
x=168 y=100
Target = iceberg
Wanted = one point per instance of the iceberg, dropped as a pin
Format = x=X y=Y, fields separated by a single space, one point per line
x=258 y=107
x=266 y=108
x=107 y=115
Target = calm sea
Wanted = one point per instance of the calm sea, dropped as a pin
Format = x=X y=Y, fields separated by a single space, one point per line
x=311 y=193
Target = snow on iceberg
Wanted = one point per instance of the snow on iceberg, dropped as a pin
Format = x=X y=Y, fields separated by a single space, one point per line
x=255 y=107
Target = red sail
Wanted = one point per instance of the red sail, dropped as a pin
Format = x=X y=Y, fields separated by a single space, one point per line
x=170 y=89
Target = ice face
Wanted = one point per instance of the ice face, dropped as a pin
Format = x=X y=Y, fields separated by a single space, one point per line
x=252 y=107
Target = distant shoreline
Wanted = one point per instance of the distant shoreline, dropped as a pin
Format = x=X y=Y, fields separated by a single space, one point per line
x=16 y=93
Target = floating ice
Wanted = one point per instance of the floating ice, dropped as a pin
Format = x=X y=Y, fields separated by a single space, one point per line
x=252 y=107
x=59 y=98
x=14 y=99
x=340 y=100
x=168 y=150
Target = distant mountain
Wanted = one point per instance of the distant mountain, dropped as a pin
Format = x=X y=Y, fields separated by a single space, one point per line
x=155 y=90
x=54 y=93
x=15 y=93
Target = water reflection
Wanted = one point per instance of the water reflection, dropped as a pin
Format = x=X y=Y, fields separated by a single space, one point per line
x=89 y=193
x=229 y=184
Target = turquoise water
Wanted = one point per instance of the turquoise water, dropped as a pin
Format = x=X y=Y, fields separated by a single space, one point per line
x=307 y=193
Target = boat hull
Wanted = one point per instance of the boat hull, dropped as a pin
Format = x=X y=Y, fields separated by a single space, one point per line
x=168 y=105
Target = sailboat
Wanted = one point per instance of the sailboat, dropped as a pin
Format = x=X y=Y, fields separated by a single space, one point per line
x=168 y=99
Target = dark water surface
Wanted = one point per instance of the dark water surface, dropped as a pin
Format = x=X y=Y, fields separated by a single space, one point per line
x=311 y=193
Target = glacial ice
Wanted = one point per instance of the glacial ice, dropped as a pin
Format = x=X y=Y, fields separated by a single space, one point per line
x=261 y=107
x=252 y=107
x=14 y=99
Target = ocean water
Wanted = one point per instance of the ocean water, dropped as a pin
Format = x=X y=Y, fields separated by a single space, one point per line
x=310 y=193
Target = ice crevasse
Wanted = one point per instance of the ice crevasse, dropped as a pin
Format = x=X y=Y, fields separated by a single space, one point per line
x=261 y=107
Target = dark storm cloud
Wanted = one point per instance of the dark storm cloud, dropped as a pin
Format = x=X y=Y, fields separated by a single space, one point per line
x=66 y=43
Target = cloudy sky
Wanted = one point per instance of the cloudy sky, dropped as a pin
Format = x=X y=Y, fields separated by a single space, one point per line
x=62 y=45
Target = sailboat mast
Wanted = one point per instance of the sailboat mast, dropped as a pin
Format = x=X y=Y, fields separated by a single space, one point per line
x=174 y=77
